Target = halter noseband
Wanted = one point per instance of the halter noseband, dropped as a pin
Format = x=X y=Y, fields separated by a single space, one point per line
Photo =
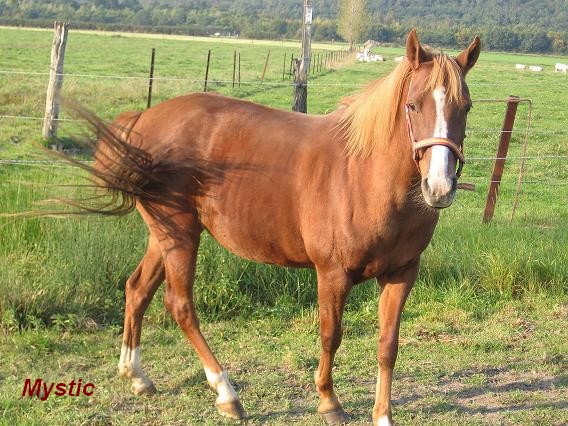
x=429 y=142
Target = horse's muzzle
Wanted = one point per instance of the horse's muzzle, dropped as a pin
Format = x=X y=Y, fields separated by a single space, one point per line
x=439 y=192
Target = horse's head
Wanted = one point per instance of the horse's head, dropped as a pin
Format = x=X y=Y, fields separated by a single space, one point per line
x=436 y=109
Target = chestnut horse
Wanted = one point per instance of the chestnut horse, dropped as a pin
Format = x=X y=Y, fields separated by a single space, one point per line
x=354 y=194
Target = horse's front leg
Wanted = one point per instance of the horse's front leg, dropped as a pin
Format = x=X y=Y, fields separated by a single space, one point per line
x=395 y=288
x=333 y=288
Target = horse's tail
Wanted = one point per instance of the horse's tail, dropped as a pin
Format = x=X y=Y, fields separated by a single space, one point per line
x=127 y=174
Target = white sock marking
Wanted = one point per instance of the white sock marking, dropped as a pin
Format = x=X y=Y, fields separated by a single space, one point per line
x=220 y=382
x=384 y=421
x=439 y=160
x=130 y=366
x=129 y=360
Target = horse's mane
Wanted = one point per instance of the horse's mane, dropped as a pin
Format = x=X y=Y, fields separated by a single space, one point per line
x=370 y=116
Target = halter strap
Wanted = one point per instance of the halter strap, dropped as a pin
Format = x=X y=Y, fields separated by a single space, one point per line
x=417 y=146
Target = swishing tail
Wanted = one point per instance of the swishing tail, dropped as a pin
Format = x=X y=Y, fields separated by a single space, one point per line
x=128 y=175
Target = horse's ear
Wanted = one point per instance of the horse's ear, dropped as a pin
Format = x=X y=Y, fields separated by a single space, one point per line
x=467 y=59
x=414 y=52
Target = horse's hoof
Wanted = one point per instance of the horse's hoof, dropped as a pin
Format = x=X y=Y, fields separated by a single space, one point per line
x=335 y=417
x=232 y=409
x=143 y=388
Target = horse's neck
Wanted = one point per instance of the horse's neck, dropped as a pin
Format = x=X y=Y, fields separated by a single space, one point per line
x=394 y=164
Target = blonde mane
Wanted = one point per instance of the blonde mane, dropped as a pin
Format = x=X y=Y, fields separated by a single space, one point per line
x=370 y=116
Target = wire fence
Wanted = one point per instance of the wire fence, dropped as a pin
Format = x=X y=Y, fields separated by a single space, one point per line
x=522 y=131
x=223 y=81
x=470 y=130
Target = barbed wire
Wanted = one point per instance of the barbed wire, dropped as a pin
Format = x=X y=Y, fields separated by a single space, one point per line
x=202 y=81
x=25 y=117
x=479 y=180
x=469 y=131
x=469 y=159
x=526 y=157
x=40 y=162
x=533 y=130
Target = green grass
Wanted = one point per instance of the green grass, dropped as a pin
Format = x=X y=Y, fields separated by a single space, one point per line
x=484 y=332
x=452 y=369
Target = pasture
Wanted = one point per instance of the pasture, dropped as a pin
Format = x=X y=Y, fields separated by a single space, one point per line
x=483 y=338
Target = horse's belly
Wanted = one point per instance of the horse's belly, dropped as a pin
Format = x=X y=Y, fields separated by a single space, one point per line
x=264 y=236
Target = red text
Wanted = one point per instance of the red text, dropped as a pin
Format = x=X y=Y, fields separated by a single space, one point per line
x=43 y=389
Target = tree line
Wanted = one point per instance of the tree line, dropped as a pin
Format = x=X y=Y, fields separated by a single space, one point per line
x=515 y=25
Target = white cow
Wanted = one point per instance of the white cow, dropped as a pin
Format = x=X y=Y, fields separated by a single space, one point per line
x=536 y=68
x=367 y=56
x=399 y=59
x=520 y=66
x=376 y=58
x=563 y=68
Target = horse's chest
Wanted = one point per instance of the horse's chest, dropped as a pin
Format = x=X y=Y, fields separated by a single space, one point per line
x=395 y=247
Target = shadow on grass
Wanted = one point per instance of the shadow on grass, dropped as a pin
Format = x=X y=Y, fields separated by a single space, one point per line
x=488 y=397
x=462 y=398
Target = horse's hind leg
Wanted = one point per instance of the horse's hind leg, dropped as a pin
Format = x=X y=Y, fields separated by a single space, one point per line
x=180 y=258
x=140 y=288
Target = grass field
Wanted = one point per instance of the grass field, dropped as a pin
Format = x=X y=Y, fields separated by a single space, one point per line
x=485 y=330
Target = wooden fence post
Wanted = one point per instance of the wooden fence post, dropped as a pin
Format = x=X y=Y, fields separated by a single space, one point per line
x=151 y=81
x=49 y=131
x=284 y=67
x=302 y=66
x=239 y=69
x=300 y=88
x=207 y=71
x=265 y=66
x=507 y=130
x=234 y=67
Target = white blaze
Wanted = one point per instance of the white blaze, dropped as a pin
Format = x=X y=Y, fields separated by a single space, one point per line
x=439 y=160
x=220 y=382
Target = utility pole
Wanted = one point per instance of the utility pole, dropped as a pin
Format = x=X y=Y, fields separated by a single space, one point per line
x=302 y=65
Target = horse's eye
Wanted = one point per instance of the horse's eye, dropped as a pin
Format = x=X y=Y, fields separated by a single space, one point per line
x=412 y=106
x=468 y=107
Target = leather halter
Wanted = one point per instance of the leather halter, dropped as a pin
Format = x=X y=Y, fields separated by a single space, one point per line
x=417 y=146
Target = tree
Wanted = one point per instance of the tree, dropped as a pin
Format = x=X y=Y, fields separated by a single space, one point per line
x=352 y=20
x=536 y=41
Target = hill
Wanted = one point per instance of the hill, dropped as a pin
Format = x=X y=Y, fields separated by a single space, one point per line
x=514 y=25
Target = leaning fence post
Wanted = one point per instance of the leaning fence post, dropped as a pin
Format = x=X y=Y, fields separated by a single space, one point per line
x=265 y=66
x=507 y=130
x=291 y=64
x=52 y=101
x=207 y=70
x=151 y=81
